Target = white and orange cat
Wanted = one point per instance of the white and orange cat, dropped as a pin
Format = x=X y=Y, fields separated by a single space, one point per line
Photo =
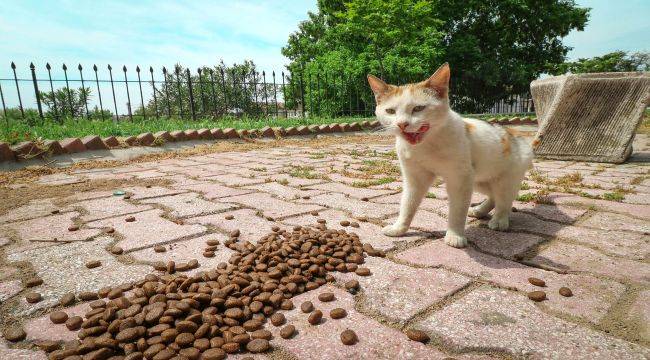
x=432 y=140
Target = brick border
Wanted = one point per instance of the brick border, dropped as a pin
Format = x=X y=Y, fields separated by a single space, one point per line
x=28 y=149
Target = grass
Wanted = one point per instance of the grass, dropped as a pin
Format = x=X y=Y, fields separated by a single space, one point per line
x=373 y=182
x=13 y=131
x=303 y=172
x=431 y=195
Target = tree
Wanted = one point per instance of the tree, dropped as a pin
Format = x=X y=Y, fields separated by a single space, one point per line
x=616 y=61
x=65 y=102
x=495 y=47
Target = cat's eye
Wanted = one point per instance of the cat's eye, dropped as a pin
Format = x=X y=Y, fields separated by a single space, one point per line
x=418 y=108
x=390 y=111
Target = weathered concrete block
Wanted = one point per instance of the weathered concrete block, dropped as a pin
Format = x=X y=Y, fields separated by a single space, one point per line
x=165 y=135
x=93 y=142
x=130 y=140
x=145 y=139
x=290 y=131
x=230 y=133
x=111 y=142
x=267 y=132
x=178 y=135
x=25 y=149
x=205 y=134
x=72 y=145
x=191 y=134
x=5 y=153
x=53 y=147
x=217 y=133
x=589 y=117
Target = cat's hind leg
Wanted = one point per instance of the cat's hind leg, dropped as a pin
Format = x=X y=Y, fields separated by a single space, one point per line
x=483 y=209
x=505 y=190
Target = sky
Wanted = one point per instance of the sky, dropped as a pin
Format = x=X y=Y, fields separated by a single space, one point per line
x=198 y=32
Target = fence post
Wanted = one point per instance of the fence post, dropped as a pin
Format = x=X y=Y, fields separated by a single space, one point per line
x=189 y=85
x=214 y=93
x=234 y=87
x=177 y=70
x=36 y=92
x=67 y=88
x=225 y=93
x=4 y=107
x=169 y=110
x=310 y=90
x=128 y=96
x=266 y=98
x=243 y=91
x=144 y=112
x=275 y=95
x=256 y=107
x=318 y=97
x=284 y=96
x=198 y=70
x=99 y=93
x=110 y=73
x=83 y=90
x=20 y=101
x=153 y=88
x=302 y=95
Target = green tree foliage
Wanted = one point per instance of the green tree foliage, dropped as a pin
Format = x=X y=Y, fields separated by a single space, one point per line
x=63 y=103
x=495 y=47
x=616 y=61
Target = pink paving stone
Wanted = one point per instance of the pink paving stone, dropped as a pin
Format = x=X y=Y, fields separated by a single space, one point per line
x=425 y=221
x=7 y=272
x=236 y=180
x=251 y=226
x=141 y=192
x=9 y=288
x=63 y=269
x=51 y=227
x=211 y=190
x=271 y=206
x=500 y=243
x=189 y=204
x=638 y=198
x=641 y=211
x=103 y=208
x=580 y=258
x=368 y=232
x=42 y=328
x=182 y=181
x=19 y=354
x=183 y=251
x=398 y=292
x=376 y=341
x=355 y=206
x=88 y=195
x=284 y=192
x=148 y=174
x=4 y=241
x=294 y=181
x=559 y=213
x=495 y=319
x=592 y=298
x=639 y=314
x=33 y=209
x=148 y=229
x=615 y=222
x=349 y=190
x=59 y=179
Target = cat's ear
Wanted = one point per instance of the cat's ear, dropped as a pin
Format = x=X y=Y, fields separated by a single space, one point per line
x=439 y=81
x=377 y=85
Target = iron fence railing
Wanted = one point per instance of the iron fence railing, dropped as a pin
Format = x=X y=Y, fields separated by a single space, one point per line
x=126 y=94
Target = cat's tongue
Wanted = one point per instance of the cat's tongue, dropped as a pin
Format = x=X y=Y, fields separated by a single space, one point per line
x=415 y=137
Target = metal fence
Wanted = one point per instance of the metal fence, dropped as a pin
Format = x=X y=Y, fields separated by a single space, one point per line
x=207 y=92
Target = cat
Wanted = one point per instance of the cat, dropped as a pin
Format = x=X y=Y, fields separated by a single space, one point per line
x=432 y=140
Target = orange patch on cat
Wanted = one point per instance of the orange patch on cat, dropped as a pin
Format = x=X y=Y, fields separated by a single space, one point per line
x=505 y=143
x=469 y=127
x=515 y=132
x=535 y=143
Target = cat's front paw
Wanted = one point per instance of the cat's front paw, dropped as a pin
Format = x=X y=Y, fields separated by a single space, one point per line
x=394 y=230
x=499 y=223
x=455 y=240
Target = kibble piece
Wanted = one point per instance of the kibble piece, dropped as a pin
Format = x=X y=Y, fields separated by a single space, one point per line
x=307 y=307
x=321 y=221
x=258 y=345
x=74 y=323
x=116 y=250
x=278 y=319
x=159 y=249
x=48 y=345
x=208 y=254
x=35 y=281
x=231 y=347
x=363 y=271
x=33 y=297
x=338 y=313
x=73 y=228
x=212 y=242
x=417 y=335
x=536 y=281
x=344 y=223
x=352 y=284
x=315 y=317
x=566 y=292
x=537 y=296
x=93 y=264
x=14 y=334
x=109 y=230
x=229 y=217
x=130 y=219
x=355 y=224
x=235 y=233
x=58 y=317
x=326 y=297
x=348 y=337
x=88 y=295
x=213 y=354
x=314 y=213
x=287 y=331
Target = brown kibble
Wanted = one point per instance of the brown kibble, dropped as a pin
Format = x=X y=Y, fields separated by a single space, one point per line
x=261 y=334
x=566 y=292
x=537 y=296
x=73 y=228
x=278 y=319
x=14 y=334
x=338 y=313
x=326 y=297
x=362 y=218
x=48 y=345
x=93 y=264
x=130 y=219
x=417 y=335
x=74 y=323
x=213 y=354
x=307 y=307
x=229 y=217
x=88 y=295
x=354 y=224
x=235 y=233
x=35 y=281
x=212 y=242
x=33 y=297
x=231 y=347
x=55 y=211
x=363 y=271
x=258 y=346
x=116 y=250
x=184 y=339
x=344 y=223
x=314 y=213
x=348 y=337
x=67 y=299
x=58 y=317
x=109 y=230
x=321 y=221
x=287 y=331
x=536 y=281
x=159 y=249
x=352 y=284
x=208 y=254
x=315 y=317
x=364 y=199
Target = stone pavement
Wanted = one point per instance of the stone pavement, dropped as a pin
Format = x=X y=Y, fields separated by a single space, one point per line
x=577 y=225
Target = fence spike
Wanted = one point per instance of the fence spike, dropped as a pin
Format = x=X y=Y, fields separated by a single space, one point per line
x=94 y=67
x=137 y=68
x=150 y=69
x=47 y=66
x=110 y=67
x=124 y=68
x=13 y=66
x=164 y=70
x=79 y=67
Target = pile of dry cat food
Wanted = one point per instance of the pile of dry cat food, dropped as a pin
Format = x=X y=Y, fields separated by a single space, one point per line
x=220 y=311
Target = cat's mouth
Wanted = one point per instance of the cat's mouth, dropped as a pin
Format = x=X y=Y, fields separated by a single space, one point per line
x=416 y=136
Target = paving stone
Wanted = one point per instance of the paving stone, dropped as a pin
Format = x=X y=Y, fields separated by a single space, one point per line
x=50 y=228
x=7 y=272
x=593 y=297
x=141 y=192
x=500 y=243
x=59 y=179
x=63 y=269
x=616 y=222
x=355 y=206
x=33 y=209
x=558 y=213
x=349 y=190
x=251 y=225
x=149 y=174
x=425 y=221
x=87 y=195
x=103 y=208
x=490 y=318
x=294 y=181
x=9 y=288
x=398 y=292
x=7 y=353
x=271 y=206
x=368 y=232
x=148 y=229
x=639 y=315
x=183 y=251
x=42 y=328
x=4 y=241
x=376 y=341
x=189 y=204
x=284 y=192
x=640 y=211
x=211 y=190
x=235 y=180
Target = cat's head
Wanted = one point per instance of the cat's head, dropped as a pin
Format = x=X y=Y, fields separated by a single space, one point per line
x=414 y=110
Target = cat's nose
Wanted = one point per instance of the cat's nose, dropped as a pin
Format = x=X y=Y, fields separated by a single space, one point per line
x=402 y=124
